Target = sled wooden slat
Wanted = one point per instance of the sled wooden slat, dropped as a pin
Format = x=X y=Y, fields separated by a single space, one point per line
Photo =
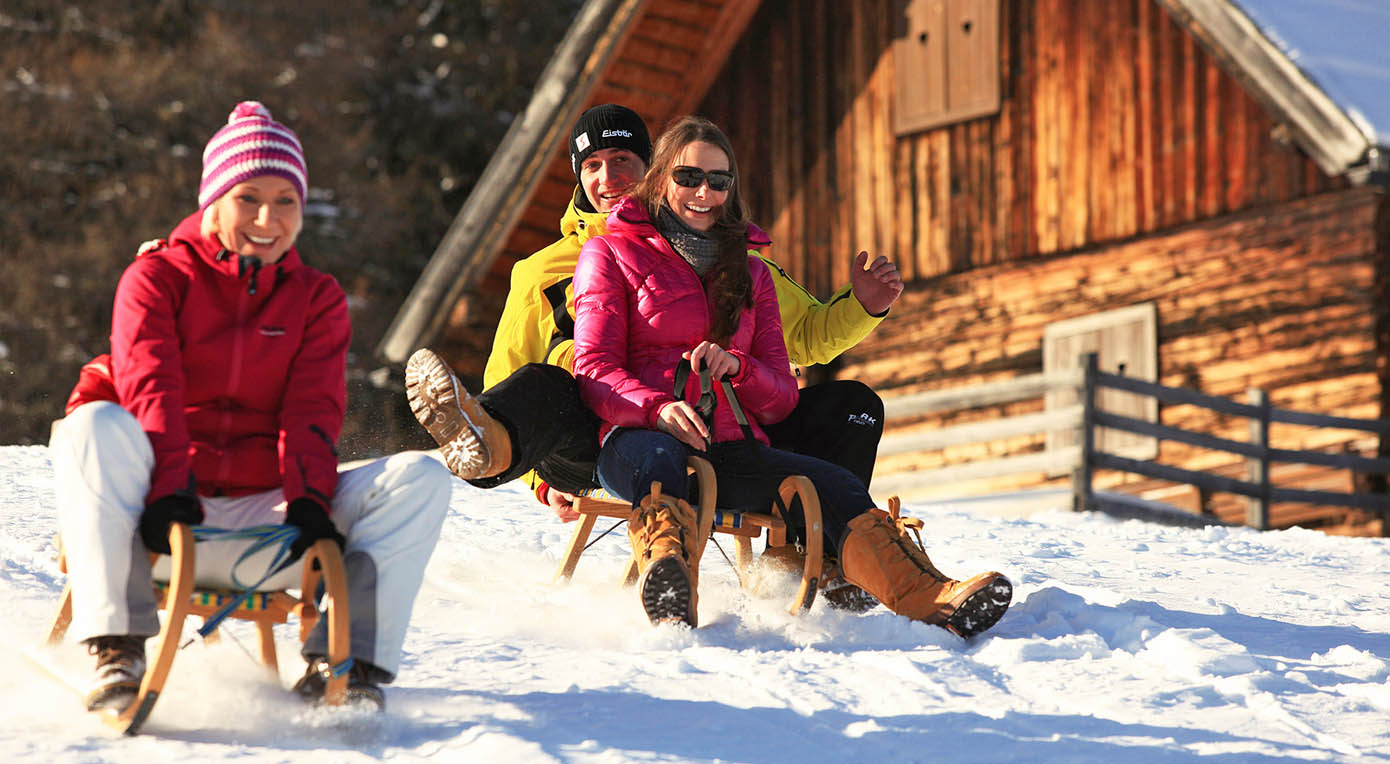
x=334 y=576
x=179 y=599
x=800 y=486
x=745 y=526
x=272 y=608
x=181 y=551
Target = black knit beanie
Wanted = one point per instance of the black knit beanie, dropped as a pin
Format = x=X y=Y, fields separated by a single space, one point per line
x=609 y=126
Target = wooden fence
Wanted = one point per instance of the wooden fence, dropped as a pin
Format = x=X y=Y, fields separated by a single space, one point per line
x=1057 y=461
x=1083 y=459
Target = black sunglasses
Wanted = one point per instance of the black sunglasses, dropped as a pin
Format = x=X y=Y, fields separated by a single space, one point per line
x=692 y=177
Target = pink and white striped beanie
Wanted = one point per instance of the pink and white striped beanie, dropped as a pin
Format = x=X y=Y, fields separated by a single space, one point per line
x=250 y=145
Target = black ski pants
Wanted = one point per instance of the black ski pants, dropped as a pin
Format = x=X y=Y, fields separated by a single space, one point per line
x=840 y=421
x=555 y=434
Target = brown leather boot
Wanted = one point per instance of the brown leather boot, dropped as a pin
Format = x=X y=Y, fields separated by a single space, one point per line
x=120 y=669
x=880 y=557
x=663 y=532
x=473 y=443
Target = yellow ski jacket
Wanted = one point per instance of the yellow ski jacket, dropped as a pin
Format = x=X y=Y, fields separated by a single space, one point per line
x=537 y=324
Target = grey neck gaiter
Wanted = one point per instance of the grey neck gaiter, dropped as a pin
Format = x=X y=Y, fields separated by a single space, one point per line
x=694 y=246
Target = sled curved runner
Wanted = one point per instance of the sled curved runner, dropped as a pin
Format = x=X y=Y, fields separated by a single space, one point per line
x=179 y=599
x=746 y=526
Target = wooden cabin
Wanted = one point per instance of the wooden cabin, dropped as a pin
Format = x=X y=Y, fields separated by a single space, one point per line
x=1157 y=180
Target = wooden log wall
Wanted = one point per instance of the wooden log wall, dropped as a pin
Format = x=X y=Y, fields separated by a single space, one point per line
x=1114 y=123
x=1287 y=298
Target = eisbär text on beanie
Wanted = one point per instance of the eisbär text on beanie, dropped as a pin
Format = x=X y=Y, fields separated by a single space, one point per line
x=608 y=126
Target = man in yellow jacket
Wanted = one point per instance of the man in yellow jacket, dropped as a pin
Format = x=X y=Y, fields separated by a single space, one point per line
x=529 y=422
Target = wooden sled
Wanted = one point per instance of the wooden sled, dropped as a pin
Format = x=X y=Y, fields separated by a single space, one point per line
x=745 y=526
x=179 y=599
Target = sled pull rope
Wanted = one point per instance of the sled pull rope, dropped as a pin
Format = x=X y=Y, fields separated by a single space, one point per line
x=752 y=443
x=265 y=536
x=614 y=527
x=725 y=555
x=335 y=671
x=705 y=407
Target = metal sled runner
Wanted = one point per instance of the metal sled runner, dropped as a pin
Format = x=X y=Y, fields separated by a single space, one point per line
x=179 y=599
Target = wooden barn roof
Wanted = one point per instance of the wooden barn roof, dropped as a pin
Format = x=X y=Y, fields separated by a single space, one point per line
x=660 y=57
x=657 y=57
x=1259 y=57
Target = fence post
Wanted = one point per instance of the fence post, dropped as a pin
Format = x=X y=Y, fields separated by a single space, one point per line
x=1081 y=495
x=1257 y=468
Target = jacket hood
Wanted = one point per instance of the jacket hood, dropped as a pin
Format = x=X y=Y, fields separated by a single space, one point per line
x=631 y=215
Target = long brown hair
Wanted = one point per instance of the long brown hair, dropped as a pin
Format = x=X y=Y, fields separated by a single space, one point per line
x=728 y=282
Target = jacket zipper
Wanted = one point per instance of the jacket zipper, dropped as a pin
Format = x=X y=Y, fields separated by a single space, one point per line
x=238 y=352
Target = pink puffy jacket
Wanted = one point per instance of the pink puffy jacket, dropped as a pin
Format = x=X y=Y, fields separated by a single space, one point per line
x=639 y=306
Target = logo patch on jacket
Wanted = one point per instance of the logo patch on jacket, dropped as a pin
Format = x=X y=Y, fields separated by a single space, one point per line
x=273 y=331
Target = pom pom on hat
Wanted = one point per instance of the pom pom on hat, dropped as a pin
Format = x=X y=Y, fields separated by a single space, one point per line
x=251 y=144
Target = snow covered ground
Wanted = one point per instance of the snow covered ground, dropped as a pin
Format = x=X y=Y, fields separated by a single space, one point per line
x=1127 y=642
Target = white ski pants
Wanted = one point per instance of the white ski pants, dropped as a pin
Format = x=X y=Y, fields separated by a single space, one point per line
x=390 y=510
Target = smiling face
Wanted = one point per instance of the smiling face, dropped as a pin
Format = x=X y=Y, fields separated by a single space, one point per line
x=260 y=217
x=607 y=175
x=698 y=207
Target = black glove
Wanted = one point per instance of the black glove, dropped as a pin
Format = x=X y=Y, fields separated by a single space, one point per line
x=313 y=523
x=160 y=513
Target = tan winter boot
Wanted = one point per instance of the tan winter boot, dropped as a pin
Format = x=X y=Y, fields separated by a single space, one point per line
x=473 y=443
x=880 y=557
x=663 y=532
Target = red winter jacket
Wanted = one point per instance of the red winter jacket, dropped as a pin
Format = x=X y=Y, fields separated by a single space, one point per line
x=236 y=373
x=639 y=306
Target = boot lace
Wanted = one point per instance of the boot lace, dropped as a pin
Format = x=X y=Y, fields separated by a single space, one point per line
x=905 y=524
x=116 y=650
x=901 y=526
x=647 y=519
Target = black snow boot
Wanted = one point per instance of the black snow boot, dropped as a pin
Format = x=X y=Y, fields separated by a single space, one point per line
x=364 y=683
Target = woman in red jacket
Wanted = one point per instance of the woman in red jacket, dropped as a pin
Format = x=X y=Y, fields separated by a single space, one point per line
x=222 y=402
x=674 y=279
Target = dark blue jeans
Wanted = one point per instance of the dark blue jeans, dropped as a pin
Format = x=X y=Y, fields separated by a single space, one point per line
x=631 y=459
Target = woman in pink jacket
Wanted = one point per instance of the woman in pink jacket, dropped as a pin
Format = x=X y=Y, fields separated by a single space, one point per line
x=673 y=279
x=222 y=402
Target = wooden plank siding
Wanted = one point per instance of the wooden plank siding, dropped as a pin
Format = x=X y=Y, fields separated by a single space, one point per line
x=1114 y=123
x=1288 y=298
x=1118 y=135
x=1124 y=165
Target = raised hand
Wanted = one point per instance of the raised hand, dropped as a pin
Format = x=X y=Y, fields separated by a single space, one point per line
x=875 y=285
